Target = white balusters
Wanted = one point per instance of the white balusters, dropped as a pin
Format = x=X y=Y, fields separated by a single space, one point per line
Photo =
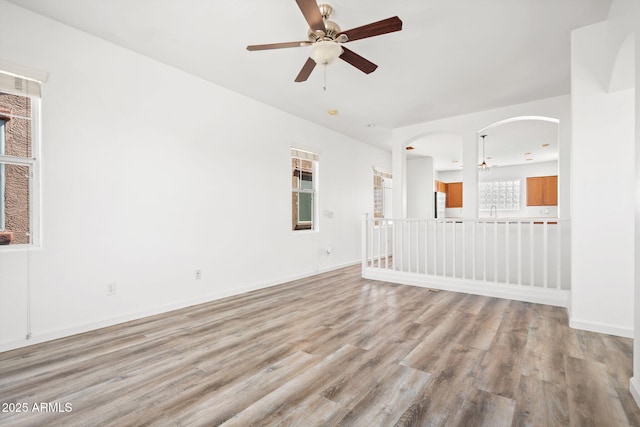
x=518 y=252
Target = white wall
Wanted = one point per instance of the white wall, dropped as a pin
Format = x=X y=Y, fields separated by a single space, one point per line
x=420 y=193
x=602 y=192
x=623 y=63
x=150 y=173
x=449 y=176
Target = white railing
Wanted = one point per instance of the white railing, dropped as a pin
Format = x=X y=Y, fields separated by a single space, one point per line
x=519 y=252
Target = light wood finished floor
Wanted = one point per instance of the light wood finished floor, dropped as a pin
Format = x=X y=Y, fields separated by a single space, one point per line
x=330 y=350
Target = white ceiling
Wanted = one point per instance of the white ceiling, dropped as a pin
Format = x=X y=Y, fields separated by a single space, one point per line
x=507 y=144
x=451 y=58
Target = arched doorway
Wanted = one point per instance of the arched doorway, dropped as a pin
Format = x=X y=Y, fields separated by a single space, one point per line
x=521 y=179
x=432 y=161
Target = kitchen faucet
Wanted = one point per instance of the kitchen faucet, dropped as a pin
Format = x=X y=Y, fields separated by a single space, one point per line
x=491 y=211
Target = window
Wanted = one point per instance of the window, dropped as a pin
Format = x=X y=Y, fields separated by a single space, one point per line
x=500 y=195
x=19 y=103
x=382 y=187
x=303 y=189
x=2 y=202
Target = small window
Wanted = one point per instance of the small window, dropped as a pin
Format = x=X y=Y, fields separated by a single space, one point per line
x=19 y=102
x=303 y=189
x=382 y=188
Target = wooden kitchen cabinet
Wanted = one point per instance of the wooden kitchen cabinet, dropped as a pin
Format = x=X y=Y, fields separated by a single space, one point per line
x=550 y=191
x=534 y=191
x=440 y=186
x=454 y=195
x=542 y=191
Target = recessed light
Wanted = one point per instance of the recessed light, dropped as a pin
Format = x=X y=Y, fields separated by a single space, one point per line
x=488 y=158
x=545 y=145
x=529 y=159
x=371 y=125
x=455 y=161
x=527 y=154
x=409 y=148
x=332 y=112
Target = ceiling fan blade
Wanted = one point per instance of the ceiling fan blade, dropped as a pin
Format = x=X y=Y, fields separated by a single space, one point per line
x=385 y=26
x=307 y=68
x=312 y=14
x=277 y=45
x=358 y=61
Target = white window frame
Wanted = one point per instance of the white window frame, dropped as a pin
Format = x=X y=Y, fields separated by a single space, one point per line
x=2 y=202
x=387 y=188
x=23 y=86
x=314 y=158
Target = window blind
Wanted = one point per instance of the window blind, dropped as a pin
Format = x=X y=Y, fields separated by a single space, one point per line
x=304 y=155
x=16 y=85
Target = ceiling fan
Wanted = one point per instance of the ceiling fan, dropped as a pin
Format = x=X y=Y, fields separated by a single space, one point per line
x=325 y=38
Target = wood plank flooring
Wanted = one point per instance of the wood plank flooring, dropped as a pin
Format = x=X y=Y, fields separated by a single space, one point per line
x=331 y=350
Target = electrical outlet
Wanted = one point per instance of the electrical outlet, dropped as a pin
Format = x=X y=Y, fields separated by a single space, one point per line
x=198 y=274
x=111 y=289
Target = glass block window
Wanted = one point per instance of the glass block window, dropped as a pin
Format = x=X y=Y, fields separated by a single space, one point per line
x=503 y=195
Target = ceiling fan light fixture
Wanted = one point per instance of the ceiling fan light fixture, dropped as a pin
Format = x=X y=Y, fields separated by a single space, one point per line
x=326 y=37
x=325 y=52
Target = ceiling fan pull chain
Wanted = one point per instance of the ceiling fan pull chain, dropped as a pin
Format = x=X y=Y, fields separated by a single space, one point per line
x=325 y=78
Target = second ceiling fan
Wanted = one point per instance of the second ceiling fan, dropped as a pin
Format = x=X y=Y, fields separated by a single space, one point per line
x=326 y=38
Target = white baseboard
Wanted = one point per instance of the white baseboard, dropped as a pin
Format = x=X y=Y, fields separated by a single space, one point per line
x=554 y=297
x=602 y=328
x=45 y=336
x=634 y=388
